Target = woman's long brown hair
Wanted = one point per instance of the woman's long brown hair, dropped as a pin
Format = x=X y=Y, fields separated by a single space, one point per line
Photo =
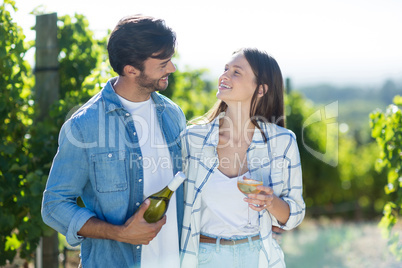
x=270 y=107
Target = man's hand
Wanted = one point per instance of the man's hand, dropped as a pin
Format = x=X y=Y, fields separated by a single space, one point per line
x=277 y=234
x=134 y=231
x=137 y=230
x=277 y=230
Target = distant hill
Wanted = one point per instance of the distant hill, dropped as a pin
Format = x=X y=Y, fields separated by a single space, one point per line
x=355 y=103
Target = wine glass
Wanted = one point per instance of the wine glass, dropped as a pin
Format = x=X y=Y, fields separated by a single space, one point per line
x=249 y=186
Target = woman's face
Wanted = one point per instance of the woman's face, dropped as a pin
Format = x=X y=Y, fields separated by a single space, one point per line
x=237 y=83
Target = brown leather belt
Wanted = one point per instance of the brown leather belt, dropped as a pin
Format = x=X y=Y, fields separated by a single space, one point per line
x=230 y=242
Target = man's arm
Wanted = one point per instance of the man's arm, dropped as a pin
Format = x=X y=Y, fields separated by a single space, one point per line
x=135 y=230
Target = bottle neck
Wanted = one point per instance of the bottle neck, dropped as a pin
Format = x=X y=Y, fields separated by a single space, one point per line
x=176 y=181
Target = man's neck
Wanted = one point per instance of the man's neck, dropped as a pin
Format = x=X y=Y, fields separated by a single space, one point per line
x=128 y=89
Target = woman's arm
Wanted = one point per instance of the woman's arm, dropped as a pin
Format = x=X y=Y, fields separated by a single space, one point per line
x=266 y=199
x=288 y=208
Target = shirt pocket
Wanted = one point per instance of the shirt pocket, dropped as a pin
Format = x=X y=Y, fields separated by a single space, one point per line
x=110 y=171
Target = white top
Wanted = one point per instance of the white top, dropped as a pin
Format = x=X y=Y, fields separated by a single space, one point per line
x=223 y=210
x=163 y=250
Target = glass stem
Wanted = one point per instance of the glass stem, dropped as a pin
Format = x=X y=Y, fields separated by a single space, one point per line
x=248 y=216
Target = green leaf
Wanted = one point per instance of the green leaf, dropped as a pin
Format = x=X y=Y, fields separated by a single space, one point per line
x=12 y=242
x=398 y=100
x=393 y=176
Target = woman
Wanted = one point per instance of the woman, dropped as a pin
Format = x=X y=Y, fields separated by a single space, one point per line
x=245 y=131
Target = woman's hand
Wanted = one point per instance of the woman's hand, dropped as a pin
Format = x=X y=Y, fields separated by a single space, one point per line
x=262 y=200
x=266 y=199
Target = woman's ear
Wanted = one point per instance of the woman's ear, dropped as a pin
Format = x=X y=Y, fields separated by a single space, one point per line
x=262 y=90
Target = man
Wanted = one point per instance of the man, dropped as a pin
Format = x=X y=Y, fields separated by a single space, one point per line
x=118 y=148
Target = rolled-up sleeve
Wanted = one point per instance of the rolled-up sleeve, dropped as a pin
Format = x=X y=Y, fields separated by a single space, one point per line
x=68 y=176
x=293 y=187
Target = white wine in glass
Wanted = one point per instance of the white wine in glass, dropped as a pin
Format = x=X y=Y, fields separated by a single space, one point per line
x=249 y=186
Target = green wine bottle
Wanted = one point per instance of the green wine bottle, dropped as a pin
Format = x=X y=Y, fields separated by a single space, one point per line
x=160 y=200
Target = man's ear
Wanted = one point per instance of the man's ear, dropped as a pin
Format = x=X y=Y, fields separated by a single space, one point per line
x=262 y=90
x=129 y=70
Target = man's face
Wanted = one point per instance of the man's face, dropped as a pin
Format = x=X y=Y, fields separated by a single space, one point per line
x=154 y=77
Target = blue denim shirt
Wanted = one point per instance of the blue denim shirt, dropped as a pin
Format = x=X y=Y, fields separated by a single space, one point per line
x=99 y=160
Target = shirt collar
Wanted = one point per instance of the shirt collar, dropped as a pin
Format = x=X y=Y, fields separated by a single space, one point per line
x=258 y=140
x=212 y=136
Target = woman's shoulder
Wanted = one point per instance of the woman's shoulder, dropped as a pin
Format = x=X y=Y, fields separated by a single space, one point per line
x=199 y=129
x=274 y=130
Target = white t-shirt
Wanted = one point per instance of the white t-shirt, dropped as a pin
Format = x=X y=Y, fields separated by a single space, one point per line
x=163 y=250
x=223 y=210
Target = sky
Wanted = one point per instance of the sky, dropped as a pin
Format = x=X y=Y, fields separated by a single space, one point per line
x=343 y=42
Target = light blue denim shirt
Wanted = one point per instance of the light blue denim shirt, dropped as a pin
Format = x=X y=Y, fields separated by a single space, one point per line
x=99 y=160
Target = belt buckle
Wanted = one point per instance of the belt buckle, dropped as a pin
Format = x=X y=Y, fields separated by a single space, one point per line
x=233 y=241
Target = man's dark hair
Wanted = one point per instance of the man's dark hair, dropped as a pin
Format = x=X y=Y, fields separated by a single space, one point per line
x=136 y=38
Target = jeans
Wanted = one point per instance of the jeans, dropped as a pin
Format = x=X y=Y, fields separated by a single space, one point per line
x=244 y=255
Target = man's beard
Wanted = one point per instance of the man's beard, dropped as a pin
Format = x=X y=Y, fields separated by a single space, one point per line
x=149 y=84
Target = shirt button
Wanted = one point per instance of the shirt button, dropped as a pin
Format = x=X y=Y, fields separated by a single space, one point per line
x=139 y=158
x=109 y=155
x=135 y=133
x=140 y=180
x=127 y=114
x=137 y=204
x=138 y=247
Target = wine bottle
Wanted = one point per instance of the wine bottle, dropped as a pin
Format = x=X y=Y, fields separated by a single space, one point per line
x=160 y=200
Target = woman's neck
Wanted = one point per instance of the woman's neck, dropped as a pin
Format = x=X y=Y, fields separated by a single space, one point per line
x=236 y=125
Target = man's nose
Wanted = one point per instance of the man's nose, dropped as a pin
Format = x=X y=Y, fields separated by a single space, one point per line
x=171 y=67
